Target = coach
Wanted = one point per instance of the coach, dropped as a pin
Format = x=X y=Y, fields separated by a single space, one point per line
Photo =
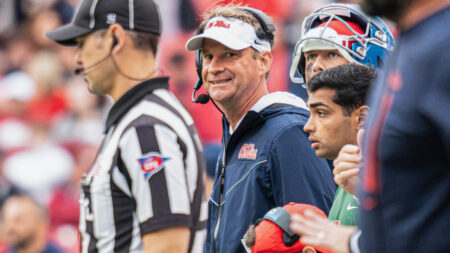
x=144 y=191
x=266 y=159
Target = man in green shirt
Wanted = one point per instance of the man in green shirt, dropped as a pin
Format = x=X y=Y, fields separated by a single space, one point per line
x=338 y=111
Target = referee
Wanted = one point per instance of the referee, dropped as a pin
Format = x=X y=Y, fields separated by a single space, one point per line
x=144 y=192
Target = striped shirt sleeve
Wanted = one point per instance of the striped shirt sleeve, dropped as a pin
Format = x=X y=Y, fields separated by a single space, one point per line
x=154 y=158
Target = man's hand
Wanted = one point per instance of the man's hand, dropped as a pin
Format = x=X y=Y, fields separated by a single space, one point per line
x=319 y=232
x=171 y=239
x=348 y=165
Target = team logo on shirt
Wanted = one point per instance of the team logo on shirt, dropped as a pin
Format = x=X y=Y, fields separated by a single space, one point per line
x=248 y=151
x=151 y=163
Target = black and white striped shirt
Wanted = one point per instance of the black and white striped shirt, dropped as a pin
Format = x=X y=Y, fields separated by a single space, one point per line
x=147 y=174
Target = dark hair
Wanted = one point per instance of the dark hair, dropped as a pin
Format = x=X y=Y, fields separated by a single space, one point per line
x=141 y=40
x=350 y=81
x=145 y=40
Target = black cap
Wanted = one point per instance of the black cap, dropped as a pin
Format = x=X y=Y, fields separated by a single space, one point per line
x=92 y=15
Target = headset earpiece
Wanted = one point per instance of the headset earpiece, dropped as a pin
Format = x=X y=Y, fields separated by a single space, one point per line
x=199 y=62
x=115 y=41
x=198 y=57
x=268 y=28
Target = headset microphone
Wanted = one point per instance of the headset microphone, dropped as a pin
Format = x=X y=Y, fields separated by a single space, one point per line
x=202 y=98
x=78 y=71
x=81 y=70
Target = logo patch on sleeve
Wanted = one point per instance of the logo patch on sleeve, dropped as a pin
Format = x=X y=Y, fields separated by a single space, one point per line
x=248 y=151
x=151 y=163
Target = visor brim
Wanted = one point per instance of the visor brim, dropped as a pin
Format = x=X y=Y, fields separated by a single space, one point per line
x=229 y=41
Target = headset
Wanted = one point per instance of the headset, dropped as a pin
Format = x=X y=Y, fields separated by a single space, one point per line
x=115 y=41
x=265 y=33
x=282 y=219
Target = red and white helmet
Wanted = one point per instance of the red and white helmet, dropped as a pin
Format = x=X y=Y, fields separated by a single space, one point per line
x=343 y=27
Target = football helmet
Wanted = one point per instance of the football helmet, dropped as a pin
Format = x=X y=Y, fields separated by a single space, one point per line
x=358 y=37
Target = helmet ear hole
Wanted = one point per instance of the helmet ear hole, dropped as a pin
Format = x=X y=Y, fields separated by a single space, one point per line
x=301 y=65
x=379 y=62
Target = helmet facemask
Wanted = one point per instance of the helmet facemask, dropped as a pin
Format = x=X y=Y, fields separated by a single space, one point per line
x=343 y=27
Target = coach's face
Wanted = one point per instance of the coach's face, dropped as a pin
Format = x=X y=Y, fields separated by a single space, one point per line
x=319 y=60
x=93 y=56
x=231 y=76
x=329 y=126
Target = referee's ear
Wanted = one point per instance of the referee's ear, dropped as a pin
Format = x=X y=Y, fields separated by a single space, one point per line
x=117 y=38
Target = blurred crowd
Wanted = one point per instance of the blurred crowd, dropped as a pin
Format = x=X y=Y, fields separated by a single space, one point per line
x=51 y=126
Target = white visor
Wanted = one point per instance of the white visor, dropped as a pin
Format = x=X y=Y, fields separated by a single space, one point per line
x=232 y=33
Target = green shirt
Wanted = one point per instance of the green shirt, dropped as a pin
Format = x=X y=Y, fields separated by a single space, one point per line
x=344 y=210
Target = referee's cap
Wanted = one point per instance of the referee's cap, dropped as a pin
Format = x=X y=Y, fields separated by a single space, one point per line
x=92 y=15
